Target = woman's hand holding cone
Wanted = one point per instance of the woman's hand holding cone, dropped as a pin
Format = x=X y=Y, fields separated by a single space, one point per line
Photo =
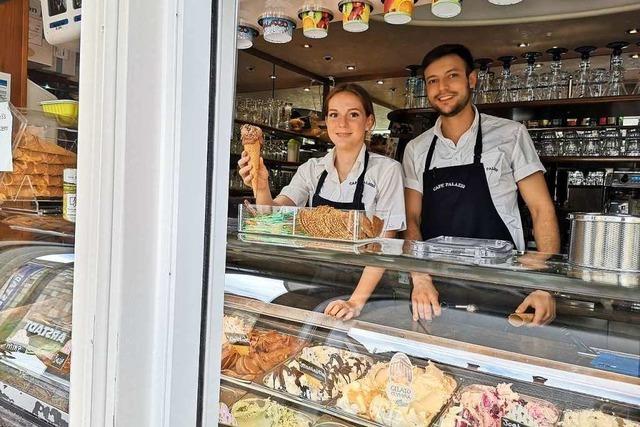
x=248 y=174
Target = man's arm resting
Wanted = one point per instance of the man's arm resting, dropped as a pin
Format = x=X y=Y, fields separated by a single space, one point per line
x=545 y=224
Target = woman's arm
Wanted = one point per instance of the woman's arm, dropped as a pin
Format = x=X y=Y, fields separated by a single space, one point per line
x=262 y=192
x=366 y=285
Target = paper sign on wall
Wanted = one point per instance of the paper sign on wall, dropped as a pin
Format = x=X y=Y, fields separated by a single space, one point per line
x=6 y=122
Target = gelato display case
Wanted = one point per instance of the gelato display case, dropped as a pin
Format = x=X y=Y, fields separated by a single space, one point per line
x=286 y=363
x=36 y=287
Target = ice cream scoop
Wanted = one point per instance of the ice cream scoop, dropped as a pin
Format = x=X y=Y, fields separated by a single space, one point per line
x=252 y=141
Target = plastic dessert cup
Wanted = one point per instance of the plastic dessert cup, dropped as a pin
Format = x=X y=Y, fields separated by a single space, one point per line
x=315 y=21
x=398 y=12
x=277 y=28
x=355 y=15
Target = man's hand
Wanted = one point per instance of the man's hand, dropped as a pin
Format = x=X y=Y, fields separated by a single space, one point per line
x=344 y=310
x=424 y=298
x=543 y=304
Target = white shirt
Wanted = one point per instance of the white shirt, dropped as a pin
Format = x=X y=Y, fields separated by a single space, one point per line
x=508 y=155
x=383 y=192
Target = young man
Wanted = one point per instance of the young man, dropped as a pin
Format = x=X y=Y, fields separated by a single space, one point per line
x=462 y=177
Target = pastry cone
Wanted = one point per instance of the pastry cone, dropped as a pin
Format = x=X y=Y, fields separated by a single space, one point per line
x=252 y=140
x=520 y=319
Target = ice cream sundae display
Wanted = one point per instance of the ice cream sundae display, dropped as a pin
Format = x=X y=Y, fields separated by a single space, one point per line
x=428 y=392
x=318 y=373
x=249 y=353
x=487 y=406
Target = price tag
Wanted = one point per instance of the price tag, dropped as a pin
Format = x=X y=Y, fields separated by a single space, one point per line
x=6 y=123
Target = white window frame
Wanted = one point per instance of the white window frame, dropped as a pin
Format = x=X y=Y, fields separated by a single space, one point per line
x=142 y=158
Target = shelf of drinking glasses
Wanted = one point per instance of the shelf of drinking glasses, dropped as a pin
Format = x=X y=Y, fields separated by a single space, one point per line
x=582 y=128
x=588 y=159
x=268 y=162
x=291 y=133
x=610 y=106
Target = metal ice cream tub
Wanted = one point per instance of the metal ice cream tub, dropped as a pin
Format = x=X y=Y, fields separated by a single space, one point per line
x=604 y=241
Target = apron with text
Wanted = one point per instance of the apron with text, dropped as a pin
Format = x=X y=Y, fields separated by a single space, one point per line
x=456 y=200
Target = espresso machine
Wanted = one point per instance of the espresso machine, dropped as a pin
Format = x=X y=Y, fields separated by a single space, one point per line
x=622 y=192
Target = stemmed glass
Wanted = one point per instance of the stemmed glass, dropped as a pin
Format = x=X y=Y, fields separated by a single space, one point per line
x=616 y=85
x=582 y=85
x=599 y=81
x=411 y=86
x=482 y=93
x=507 y=81
x=557 y=80
x=530 y=86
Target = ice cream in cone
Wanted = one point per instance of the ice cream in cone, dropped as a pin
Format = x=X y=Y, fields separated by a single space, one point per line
x=252 y=140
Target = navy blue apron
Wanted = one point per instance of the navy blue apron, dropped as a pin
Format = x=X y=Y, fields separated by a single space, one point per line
x=355 y=204
x=456 y=200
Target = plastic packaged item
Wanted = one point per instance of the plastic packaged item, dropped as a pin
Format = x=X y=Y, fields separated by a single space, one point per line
x=464 y=247
x=315 y=21
x=355 y=15
x=322 y=222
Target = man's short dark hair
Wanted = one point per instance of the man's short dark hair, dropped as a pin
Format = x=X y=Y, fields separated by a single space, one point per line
x=449 y=49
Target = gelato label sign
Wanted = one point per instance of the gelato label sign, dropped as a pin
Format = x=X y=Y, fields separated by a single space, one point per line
x=399 y=389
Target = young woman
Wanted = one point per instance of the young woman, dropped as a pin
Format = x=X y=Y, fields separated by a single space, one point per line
x=348 y=177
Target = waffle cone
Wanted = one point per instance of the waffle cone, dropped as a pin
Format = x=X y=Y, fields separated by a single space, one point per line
x=253 y=150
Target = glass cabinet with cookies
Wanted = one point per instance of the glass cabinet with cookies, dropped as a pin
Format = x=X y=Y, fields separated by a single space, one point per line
x=480 y=352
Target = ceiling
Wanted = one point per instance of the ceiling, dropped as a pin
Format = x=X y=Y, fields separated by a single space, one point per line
x=384 y=50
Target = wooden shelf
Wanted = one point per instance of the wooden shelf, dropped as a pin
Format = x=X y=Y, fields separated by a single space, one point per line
x=568 y=159
x=268 y=162
x=581 y=128
x=584 y=107
x=279 y=131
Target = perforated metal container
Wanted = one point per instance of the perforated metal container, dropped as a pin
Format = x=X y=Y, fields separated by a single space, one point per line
x=608 y=242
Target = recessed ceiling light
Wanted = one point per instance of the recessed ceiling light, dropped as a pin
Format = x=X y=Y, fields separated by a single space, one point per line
x=632 y=31
x=306 y=89
x=635 y=56
x=538 y=65
x=273 y=76
x=251 y=68
x=523 y=44
x=555 y=47
x=380 y=82
x=351 y=67
x=306 y=45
